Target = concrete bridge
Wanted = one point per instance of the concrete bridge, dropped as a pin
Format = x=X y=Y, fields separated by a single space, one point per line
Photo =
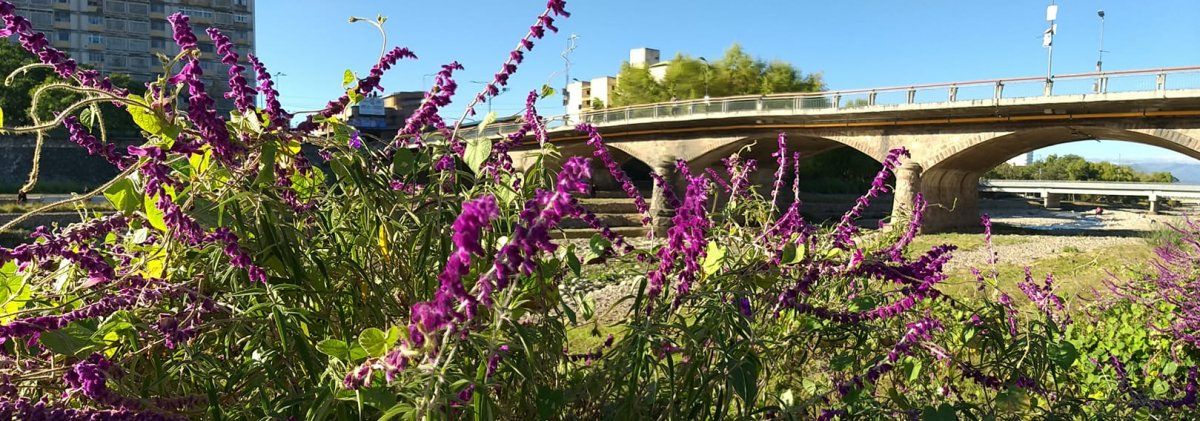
x=955 y=131
x=1052 y=191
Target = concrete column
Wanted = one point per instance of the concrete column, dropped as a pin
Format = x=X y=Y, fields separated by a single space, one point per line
x=659 y=210
x=1154 y=204
x=953 y=197
x=908 y=184
x=1052 y=200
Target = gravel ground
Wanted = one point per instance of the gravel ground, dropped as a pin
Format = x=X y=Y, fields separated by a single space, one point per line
x=1030 y=248
x=1080 y=230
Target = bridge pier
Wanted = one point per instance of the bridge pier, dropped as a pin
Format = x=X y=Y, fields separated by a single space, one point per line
x=1051 y=200
x=953 y=197
x=660 y=212
x=908 y=184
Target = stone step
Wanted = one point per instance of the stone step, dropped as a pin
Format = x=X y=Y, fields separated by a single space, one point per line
x=627 y=232
x=616 y=194
x=612 y=220
x=609 y=205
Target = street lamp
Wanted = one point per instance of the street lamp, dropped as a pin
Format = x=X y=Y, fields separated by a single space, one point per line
x=706 y=68
x=1100 y=53
x=1048 y=42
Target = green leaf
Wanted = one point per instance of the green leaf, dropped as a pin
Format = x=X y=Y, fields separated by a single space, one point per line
x=478 y=151
x=942 y=412
x=266 y=167
x=743 y=378
x=151 y=121
x=374 y=341
x=153 y=214
x=74 y=340
x=487 y=120
x=335 y=348
x=713 y=259
x=573 y=260
x=1063 y=354
x=124 y=196
x=547 y=91
x=378 y=397
x=793 y=253
x=348 y=78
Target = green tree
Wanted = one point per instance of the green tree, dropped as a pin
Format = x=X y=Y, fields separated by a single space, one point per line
x=17 y=98
x=687 y=77
x=635 y=85
x=1076 y=168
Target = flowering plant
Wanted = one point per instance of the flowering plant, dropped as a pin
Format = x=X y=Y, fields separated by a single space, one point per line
x=253 y=269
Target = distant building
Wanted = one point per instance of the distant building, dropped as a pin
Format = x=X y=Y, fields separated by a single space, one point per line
x=1021 y=160
x=384 y=116
x=122 y=36
x=398 y=106
x=596 y=93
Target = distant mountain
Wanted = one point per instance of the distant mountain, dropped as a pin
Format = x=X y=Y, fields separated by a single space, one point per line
x=1186 y=172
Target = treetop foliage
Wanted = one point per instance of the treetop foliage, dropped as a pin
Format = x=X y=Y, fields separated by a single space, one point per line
x=687 y=77
x=1076 y=168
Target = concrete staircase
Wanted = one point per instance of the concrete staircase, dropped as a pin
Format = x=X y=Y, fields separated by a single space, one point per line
x=614 y=209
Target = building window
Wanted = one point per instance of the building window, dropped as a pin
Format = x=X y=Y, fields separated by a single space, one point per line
x=64 y=36
x=158 y=25
x=61 y=16
x=241 y=18
x=243 y=3
x=158 y=43
x=95 y=20
x=95 y=3
x=136 y=8
x=157 y=8
x=95 y=39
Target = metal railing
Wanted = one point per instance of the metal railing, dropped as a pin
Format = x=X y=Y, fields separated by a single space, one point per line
x=994 y=90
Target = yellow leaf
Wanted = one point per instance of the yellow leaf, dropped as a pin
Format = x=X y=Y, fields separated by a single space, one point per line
x=383 y=240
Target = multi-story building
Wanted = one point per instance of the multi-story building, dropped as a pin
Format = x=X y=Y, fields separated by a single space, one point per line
x=596 y=93
x=122 y=36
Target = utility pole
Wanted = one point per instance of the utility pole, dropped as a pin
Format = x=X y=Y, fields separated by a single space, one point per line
x=1048 y=42
x=566 y=55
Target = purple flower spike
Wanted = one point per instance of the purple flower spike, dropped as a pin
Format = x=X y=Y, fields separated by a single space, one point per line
x=239 y=90
x=601 y=151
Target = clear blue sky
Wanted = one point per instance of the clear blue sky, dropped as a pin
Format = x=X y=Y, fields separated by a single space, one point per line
x=855 y=44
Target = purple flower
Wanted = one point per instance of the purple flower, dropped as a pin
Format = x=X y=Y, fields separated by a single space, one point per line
x=845 y=228
x=601 y=151
x=537 y=31
x=796 y=178
x=182 y=31
x=81 y=137
x=279 y=117
x=896 y=251
x=781 y=156
x=133 y=291
x=426 y=114
x=200 y=106
x=366 y=86
x=355 y=141
x=239 y=90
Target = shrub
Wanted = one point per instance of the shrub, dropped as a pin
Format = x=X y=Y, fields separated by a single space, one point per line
x=418 y=277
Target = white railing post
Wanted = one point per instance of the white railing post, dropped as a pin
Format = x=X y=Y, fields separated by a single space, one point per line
x=758 y=104
x=871 y=98
x=1160 y=82
x=837 y=101
x=953 y=93
x=912 y=95
x=1049 y=88
x=999 y=94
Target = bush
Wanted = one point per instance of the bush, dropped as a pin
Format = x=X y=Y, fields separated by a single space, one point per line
x=418 y=277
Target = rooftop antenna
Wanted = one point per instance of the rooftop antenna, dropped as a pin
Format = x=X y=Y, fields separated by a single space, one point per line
x=1048 y=42
x=572 y=43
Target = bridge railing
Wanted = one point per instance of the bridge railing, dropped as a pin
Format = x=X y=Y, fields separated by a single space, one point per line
x=1145 y=80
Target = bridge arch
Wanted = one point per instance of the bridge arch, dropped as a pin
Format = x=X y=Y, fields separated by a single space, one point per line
x=951 y=175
